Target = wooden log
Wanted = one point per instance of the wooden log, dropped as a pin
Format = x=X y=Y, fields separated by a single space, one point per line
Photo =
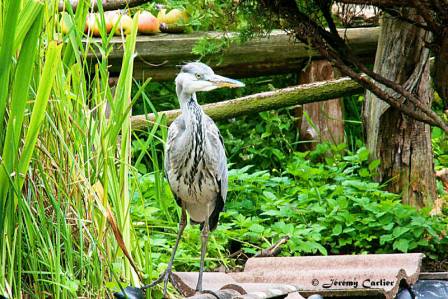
x=327 y=118
x=107 y=4
x=286 y=97
x=159 y=56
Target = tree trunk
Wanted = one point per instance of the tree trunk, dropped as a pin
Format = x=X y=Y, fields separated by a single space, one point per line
x=326 y=117
x=402 y=144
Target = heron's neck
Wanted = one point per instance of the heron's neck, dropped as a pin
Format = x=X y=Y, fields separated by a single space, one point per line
x=191 y=111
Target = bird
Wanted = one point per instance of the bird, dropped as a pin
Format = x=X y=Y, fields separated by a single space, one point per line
x=195 y=160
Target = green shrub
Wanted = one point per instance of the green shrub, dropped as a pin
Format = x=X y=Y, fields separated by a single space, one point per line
x=329 y=207
x=325 y=200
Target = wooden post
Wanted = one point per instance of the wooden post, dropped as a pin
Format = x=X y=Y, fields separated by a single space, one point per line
x=326 y=117
x=402 y=144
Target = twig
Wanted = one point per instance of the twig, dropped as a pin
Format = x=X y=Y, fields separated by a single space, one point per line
x=273 y=250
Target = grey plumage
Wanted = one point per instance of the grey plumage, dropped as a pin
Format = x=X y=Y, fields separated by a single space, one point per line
x=195 y=160
x=196 y=165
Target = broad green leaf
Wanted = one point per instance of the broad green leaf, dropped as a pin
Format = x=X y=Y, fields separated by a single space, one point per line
x=374 y=165
x=257 y=228
x=364 y=172
x=337 y=230
x=269 y=195
x=398 y=231
x=401 y=245
x=363 y=154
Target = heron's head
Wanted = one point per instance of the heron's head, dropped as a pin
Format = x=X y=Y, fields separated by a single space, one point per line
x=197 y=76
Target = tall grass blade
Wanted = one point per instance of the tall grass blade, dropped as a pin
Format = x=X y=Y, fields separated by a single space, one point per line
x=51 y=67
x=122 y=111
x=20 y=92
x=6 y=55
x=27 y=16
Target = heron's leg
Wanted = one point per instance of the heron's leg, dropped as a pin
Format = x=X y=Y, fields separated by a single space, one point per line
x=165 y=276
x=182 y=224
x=204 y=240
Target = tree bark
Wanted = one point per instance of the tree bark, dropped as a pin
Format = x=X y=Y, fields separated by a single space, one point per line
x=326 y=117
x=402 y=144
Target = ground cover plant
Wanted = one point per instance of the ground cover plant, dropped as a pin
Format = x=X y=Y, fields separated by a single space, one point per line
x=79 y=190
x=325 y=200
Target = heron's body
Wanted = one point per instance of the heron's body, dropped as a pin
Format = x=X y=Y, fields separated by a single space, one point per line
x=195 y=160
x=196 y=165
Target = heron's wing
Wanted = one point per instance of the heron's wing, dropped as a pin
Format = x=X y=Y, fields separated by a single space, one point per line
x=219 y=169
x=175 y=130
x=224 y=182
x=219 y=161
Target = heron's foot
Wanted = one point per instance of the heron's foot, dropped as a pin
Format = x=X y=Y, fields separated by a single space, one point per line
x=166 y=276
x=208 y=292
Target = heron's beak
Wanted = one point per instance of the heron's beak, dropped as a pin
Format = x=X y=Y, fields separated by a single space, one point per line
x=221 y=81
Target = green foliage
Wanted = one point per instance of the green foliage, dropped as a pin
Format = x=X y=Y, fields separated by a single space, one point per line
x=353 y=127
x=440 y=148
x=26 y=83
x=330 y=207
x=325 y=200
x=266 y=140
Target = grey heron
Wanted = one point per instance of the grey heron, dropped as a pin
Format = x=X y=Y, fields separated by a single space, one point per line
x=195 y=160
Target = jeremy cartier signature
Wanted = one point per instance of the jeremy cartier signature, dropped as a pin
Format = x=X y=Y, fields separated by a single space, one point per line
x=366 y=283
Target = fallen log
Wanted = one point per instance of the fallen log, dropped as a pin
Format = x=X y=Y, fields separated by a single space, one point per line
x=107 y=4
x=286 y=97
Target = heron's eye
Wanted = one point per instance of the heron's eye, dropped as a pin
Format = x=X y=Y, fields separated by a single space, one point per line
x=198 y=76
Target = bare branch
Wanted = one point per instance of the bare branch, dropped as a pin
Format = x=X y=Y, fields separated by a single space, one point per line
x=324 y=6
x=393 y=102
x=334 y=48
